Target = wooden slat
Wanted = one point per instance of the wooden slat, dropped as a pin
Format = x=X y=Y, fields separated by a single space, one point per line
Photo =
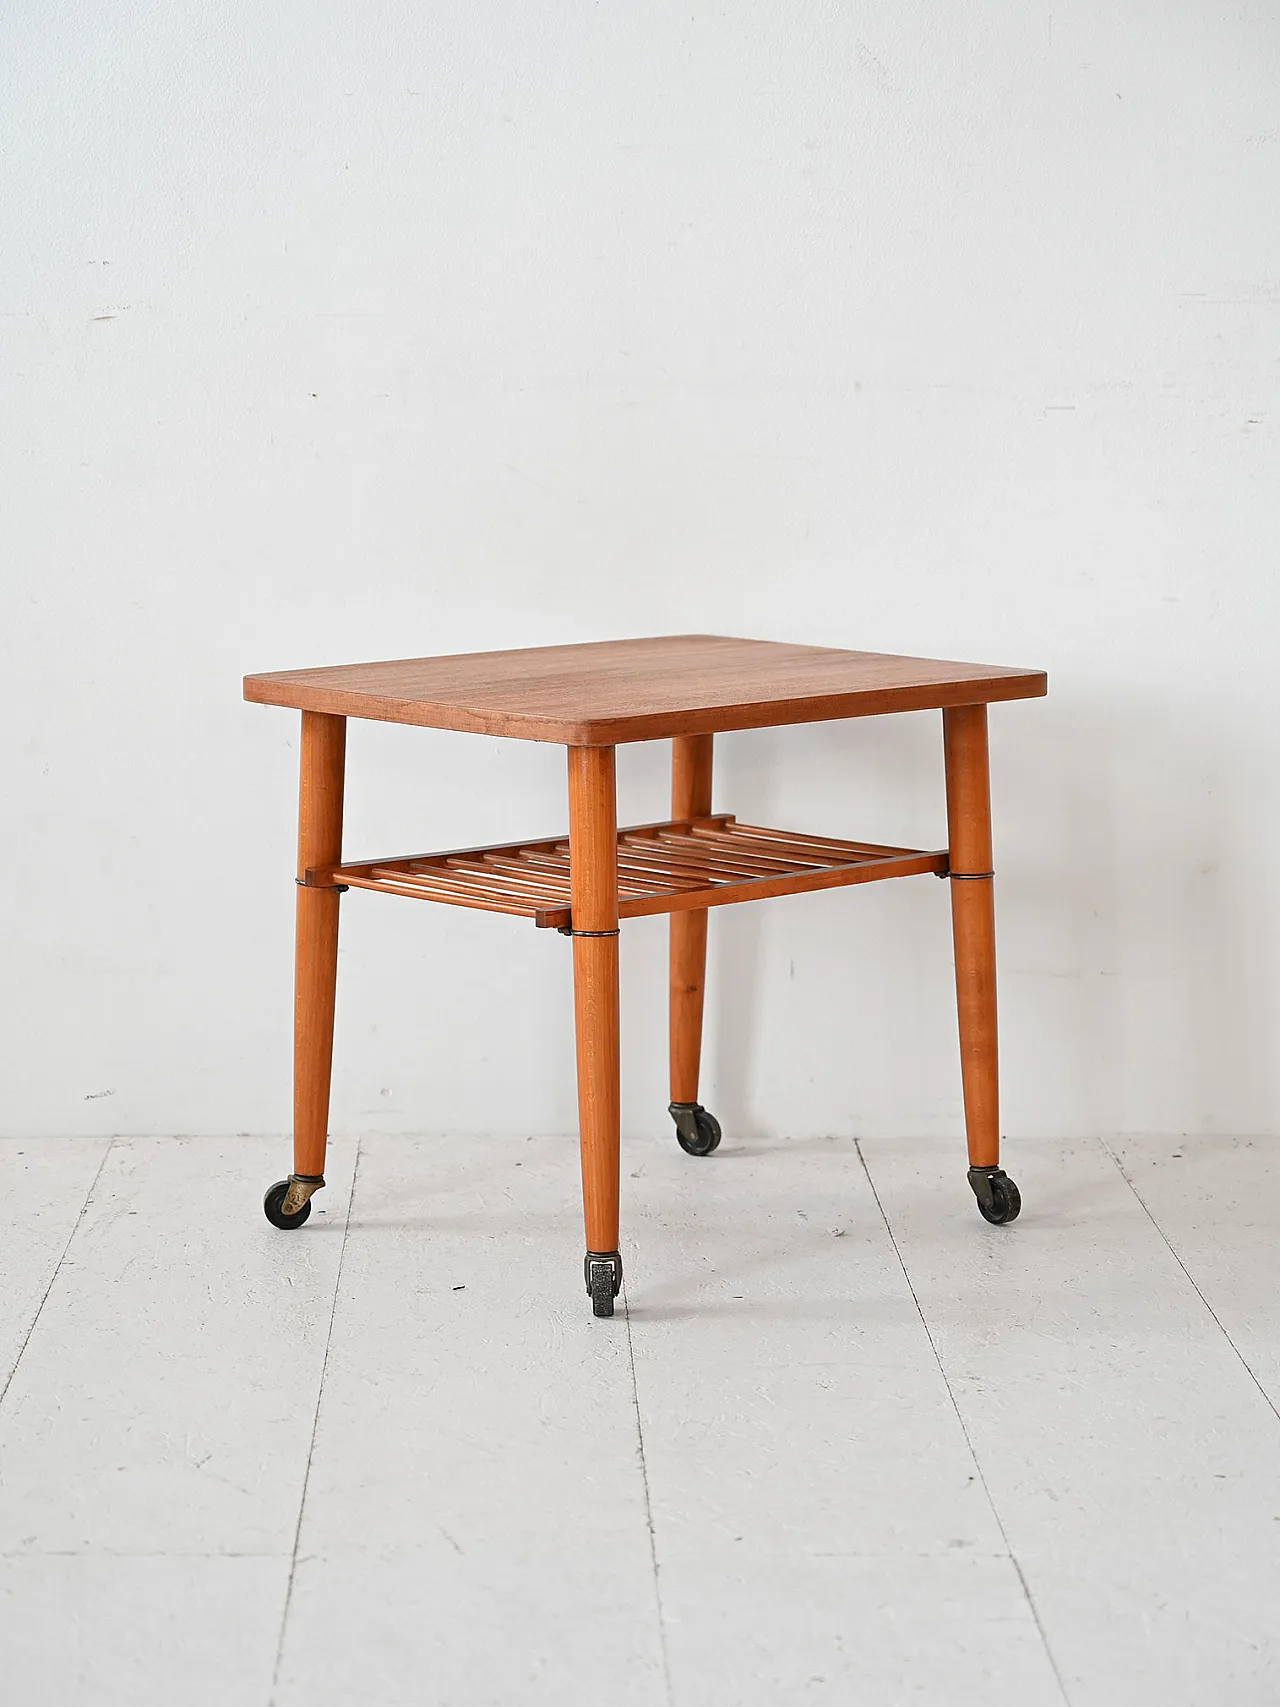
x=717 y=850
x=717 y=843
x=791 y=852
x=669 y=867
x=803 y=837
x=555 y=878
x=554 y=882
x=671 y=872
x=522 y=876
x=417 y=892
x=628 y=870
x=682 y=849
x=478 y=877
x=702 y=858
x=676 y=877
x=328 y=873
x=670 y=879
x=451 y=883
x=781 y=854
x=528 y=873
x=834 y=877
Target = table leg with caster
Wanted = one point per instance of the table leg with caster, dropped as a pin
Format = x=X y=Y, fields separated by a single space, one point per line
x=324 y=739
x=973 y=927
x=697 y=1131
x=593 y=867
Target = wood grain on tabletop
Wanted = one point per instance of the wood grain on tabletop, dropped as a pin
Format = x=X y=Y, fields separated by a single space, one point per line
x=611 y=691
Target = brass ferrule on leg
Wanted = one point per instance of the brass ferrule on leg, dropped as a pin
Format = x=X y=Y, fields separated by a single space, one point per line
x=301 y=1190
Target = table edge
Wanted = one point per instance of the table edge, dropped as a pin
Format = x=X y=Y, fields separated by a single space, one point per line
x=648 y=726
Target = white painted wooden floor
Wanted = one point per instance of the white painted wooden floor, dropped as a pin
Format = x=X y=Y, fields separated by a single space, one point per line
x=847 y=1444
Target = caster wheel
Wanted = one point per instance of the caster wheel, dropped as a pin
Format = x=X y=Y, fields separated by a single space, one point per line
x=697 y=1131
x=604 y=1280
x=999 y=1199
x=273 y=1206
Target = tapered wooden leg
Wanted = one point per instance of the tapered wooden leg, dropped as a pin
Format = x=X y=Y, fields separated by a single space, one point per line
x=324 y=743
x=698 y=1131
x=974 y=930
x=690 y=798
x=593 y=877
x=973 y=925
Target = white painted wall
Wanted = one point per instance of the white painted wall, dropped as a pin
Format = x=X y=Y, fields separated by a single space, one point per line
x=350 y=331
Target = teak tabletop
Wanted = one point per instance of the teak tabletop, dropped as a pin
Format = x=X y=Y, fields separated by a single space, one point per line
x=613 y=691
x=587 y=884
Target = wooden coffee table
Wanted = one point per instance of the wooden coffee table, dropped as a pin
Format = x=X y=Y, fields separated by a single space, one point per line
x=683 y=688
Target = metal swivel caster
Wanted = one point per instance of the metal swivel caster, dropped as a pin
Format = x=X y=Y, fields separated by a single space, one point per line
x=288 y=1201
x=999 y=1199
x=697 y=1131
x=603 y=1273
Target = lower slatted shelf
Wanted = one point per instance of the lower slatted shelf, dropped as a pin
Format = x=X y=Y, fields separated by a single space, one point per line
x=662 y=868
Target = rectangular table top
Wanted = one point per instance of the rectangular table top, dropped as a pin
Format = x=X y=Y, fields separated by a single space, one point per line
x=611 y=691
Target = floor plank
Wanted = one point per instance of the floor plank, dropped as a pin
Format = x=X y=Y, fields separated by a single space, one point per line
x=1217 y=1202
x=43 y=1187
x=166 y=1398
x=475 y=1512
x=1133 y=1462
x=821 y=1530
x=93 y=1631
x=864 y=1631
